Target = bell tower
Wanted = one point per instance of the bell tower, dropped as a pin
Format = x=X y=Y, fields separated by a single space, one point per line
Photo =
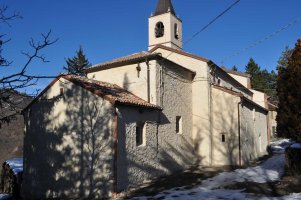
x=164 y=27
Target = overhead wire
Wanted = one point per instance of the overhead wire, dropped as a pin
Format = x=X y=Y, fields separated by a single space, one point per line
x=260 y=41
x=208 y=24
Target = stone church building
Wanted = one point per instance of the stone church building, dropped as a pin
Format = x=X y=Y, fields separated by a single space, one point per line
x=139 y=117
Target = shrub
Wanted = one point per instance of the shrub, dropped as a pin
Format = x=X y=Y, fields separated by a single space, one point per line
x=293 y=161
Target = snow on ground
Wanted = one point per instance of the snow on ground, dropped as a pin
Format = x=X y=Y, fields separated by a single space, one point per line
x=5 y=196
x=279 y=146
x=296 y=146
x=270 y=170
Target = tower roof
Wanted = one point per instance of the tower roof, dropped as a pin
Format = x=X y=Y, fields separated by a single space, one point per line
x=164 y=6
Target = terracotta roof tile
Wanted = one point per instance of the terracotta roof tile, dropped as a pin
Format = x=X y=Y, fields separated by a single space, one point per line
x=179 y=52
x=236 y=73
x=119 y=61
x=109 y=91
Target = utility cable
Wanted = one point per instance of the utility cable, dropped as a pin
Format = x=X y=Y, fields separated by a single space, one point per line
x=258 y=42
x=207 y=25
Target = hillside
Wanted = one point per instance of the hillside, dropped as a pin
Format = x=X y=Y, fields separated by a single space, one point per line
x=11 y=133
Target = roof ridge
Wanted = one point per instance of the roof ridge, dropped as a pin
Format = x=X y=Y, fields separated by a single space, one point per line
x=107 y=89
x=123 y=59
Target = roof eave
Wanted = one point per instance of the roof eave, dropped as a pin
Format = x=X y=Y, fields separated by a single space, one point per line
x=120 y=63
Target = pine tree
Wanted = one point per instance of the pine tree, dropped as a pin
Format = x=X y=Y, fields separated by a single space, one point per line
x=254 y=70
x=77 y=64
x=234 y=68
x=283 y=60
x=262 y=80
x=289 y=89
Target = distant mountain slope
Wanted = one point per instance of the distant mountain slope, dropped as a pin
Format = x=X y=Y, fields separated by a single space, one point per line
x=11 y=134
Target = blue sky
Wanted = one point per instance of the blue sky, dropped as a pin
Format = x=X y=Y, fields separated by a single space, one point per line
x=114 y=28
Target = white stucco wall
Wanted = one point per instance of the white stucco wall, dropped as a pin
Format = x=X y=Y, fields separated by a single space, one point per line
x=222 y=78
x=68 y=145
x=127 y=77
x=253 y=132
x=261 y=127
x=259 y=98
x=245 y=81
x=273 y=123
x=225 y=122
x=168 y=38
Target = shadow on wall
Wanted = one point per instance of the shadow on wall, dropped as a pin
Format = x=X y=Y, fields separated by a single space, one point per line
x=225 y=148
x=160 y=156
x=226 y=134
x=68 y=146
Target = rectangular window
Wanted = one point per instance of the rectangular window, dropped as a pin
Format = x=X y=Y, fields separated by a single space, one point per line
x=179 y=125
x=223 y=137
x=61 y=91
x=140 y=134
x=260 y=145
x=274 y=130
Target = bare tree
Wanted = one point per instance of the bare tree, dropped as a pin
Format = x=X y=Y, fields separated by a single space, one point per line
x=9 y=84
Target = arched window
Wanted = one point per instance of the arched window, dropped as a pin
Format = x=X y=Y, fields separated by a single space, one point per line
x=159 y=30
x=176 y=30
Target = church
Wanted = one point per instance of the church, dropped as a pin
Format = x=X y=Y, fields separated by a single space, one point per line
x=139 y=117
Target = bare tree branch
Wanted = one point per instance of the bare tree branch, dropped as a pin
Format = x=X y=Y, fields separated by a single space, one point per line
x=10 y=84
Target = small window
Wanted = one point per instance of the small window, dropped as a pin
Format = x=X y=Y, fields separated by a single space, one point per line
x=176 y=29
x=274 y=130
x=223 y=137
x=138 y=68
x=179 y=125
x=159 y=30
x=260 y=142
x=61 y=91
x=140 y=134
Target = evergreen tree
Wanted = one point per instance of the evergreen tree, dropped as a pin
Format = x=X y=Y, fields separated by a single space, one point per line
x=262 y=80
x=78 y=63
x=289 y=89
x=234 y=68
x=283 y=60
x=254 y=70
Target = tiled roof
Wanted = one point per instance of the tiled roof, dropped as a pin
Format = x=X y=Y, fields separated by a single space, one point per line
x=111 y=92
x=179 y=52
x=120 y=61
x=237 y=73
x=238 y=94
x=272 y=107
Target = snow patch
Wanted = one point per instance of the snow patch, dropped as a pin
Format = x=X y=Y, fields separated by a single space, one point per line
x=5 y=196
x=279 y=146
x=16 y=164
x=210 y=189
x=271 y=170
x=296 y=146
